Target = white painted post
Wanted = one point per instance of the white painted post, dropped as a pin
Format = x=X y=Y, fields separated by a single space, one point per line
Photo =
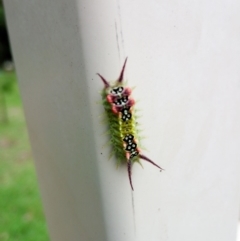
x=184 y=60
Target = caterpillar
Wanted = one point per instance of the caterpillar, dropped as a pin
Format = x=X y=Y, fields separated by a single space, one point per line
x=119 y=107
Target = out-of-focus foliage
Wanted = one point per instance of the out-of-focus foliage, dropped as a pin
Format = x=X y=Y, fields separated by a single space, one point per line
x=7 y=79
x=5 y=52
x=21 y=215
x=2 y=19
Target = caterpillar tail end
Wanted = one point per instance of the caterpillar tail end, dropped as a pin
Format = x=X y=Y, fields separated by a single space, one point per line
x=148 y=160
x=129 y=166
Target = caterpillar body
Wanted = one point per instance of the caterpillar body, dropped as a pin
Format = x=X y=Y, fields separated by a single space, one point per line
x=119 y=107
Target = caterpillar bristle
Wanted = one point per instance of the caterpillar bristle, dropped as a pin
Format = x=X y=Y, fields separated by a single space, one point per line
x=103 y=121
x=102 y=115
x=98 y=102
x=105 y=82
x=106 y=144
x=133 y=88
x=136 y=111
x=129 y=166
x=110 y=155
x=148 y=160
x=120 y=78
x=144 y=149
x=118 y=164
x=138 y=117
x=140 y=164
x=105 y=133
x=140 y=130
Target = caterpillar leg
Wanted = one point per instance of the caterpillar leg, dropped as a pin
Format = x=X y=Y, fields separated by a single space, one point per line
x=148 y=160
x=129 y=166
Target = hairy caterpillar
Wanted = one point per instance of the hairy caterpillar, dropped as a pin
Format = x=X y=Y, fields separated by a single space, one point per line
x=119 y=108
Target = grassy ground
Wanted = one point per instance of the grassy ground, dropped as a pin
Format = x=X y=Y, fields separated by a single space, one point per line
x=21 y=214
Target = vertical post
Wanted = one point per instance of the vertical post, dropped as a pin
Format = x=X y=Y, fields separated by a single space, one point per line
x=183 y=58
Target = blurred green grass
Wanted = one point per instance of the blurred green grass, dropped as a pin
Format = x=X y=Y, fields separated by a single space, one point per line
x=21 y=214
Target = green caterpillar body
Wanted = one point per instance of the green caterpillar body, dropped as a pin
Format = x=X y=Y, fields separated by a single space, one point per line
x=114 y=130
x=119 y=108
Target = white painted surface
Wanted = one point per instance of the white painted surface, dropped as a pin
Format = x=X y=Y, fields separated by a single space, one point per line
x=184 y=59
x=238 y=233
